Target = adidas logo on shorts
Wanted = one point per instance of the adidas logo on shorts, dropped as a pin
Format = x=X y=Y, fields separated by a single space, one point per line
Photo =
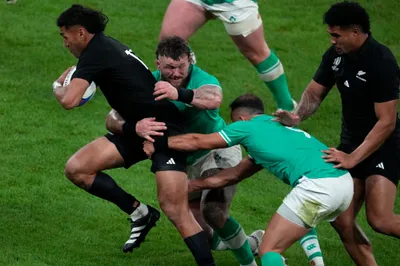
x=380 y=165
x=171 y=161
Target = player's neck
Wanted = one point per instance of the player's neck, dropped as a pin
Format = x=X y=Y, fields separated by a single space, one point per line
x=363 y=38
x=89 y=38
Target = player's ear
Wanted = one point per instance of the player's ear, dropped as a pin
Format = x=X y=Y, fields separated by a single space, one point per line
x=81 y=33
x=356 y=31
x=158 y=64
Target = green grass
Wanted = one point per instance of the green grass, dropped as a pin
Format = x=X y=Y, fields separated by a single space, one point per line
x=45 y=220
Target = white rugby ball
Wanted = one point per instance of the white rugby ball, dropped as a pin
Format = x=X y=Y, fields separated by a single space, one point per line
x=89 y=91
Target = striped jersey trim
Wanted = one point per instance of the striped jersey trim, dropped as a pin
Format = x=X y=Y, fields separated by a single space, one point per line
x=224 y=136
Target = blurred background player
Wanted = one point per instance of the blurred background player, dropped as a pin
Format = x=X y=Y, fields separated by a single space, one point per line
x=128 y=86
x=243 y=23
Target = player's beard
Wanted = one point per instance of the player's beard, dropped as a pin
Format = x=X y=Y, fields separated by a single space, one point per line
x=177 y=83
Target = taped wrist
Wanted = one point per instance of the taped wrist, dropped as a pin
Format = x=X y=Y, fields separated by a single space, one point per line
x=56 y=85
x=185 y=96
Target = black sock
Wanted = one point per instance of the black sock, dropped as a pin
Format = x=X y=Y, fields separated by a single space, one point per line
x=105 y=187
x=198 y=245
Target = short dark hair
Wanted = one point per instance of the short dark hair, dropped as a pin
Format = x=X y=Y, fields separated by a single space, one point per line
x=173 y=47
x=92 y=20
x=347 y=14
x=250 y=102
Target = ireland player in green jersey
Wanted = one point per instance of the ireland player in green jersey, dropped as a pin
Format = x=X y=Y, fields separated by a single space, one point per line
x=243 y=23
x=320 y=191
x=200 y=96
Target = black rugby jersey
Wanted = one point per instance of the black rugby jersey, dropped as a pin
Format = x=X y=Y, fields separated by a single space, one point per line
x=124 y=79
x=369 y=75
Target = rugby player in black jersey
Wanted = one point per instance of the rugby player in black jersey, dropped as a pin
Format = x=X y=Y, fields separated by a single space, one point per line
x=128 y=86
x=367 y=76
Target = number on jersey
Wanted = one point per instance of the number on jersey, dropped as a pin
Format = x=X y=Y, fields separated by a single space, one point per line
x=129 y=52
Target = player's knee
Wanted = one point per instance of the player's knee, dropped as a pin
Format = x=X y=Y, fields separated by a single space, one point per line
x=255 y=56
x=171 y=207
x=266 y=247
x=380 y=224
x=215 y=214
x=74 y=172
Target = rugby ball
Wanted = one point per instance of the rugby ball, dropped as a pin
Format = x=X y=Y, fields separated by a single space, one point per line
x=89 y=91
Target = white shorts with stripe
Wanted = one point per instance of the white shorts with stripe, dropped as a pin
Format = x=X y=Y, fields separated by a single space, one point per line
x=240 y=17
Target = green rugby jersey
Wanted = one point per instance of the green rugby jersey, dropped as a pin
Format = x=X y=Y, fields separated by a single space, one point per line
x=198 y=121
x=288 y=153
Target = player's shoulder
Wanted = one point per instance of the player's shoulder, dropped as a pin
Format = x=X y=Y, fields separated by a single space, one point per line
x=199 y=74
x=236 y=125
x=157 y=74
x=380 y=53
x=103 y=47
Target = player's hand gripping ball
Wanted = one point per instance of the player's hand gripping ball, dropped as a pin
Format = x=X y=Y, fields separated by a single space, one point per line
x=89 y=91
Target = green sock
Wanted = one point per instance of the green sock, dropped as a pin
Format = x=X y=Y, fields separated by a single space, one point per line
x=217 y=243
x=272 y=259
x=273 y=75
x=311 y=247
x=235 y=239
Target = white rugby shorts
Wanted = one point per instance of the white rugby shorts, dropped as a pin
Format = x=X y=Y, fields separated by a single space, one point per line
x=240 y=17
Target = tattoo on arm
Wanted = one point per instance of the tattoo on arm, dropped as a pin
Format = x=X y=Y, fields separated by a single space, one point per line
x=207 y=97
x=207 y=93
x=309 y=103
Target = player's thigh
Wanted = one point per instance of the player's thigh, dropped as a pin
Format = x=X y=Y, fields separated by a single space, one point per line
x=219 y=197
x=253 y=47
x=172 y=191
x=382 y=173
x=98 y=155
x=172 y=184
x=380 y=197
x=182 y=18
x=214 y=162
x=247 y=31
x=347 y=219
x=280 y=234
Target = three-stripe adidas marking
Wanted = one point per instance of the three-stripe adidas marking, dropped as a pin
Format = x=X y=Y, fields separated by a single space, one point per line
x=171 y=161
x=380 y=165
x=135 y=233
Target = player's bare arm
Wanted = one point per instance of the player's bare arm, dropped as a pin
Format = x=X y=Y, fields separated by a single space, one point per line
x=226 y=177
x=190 y=142
x=70 y=95
x=207 y=97
x=311 y=99
x=194 y=142
x=386 y=113
x=145 y=128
